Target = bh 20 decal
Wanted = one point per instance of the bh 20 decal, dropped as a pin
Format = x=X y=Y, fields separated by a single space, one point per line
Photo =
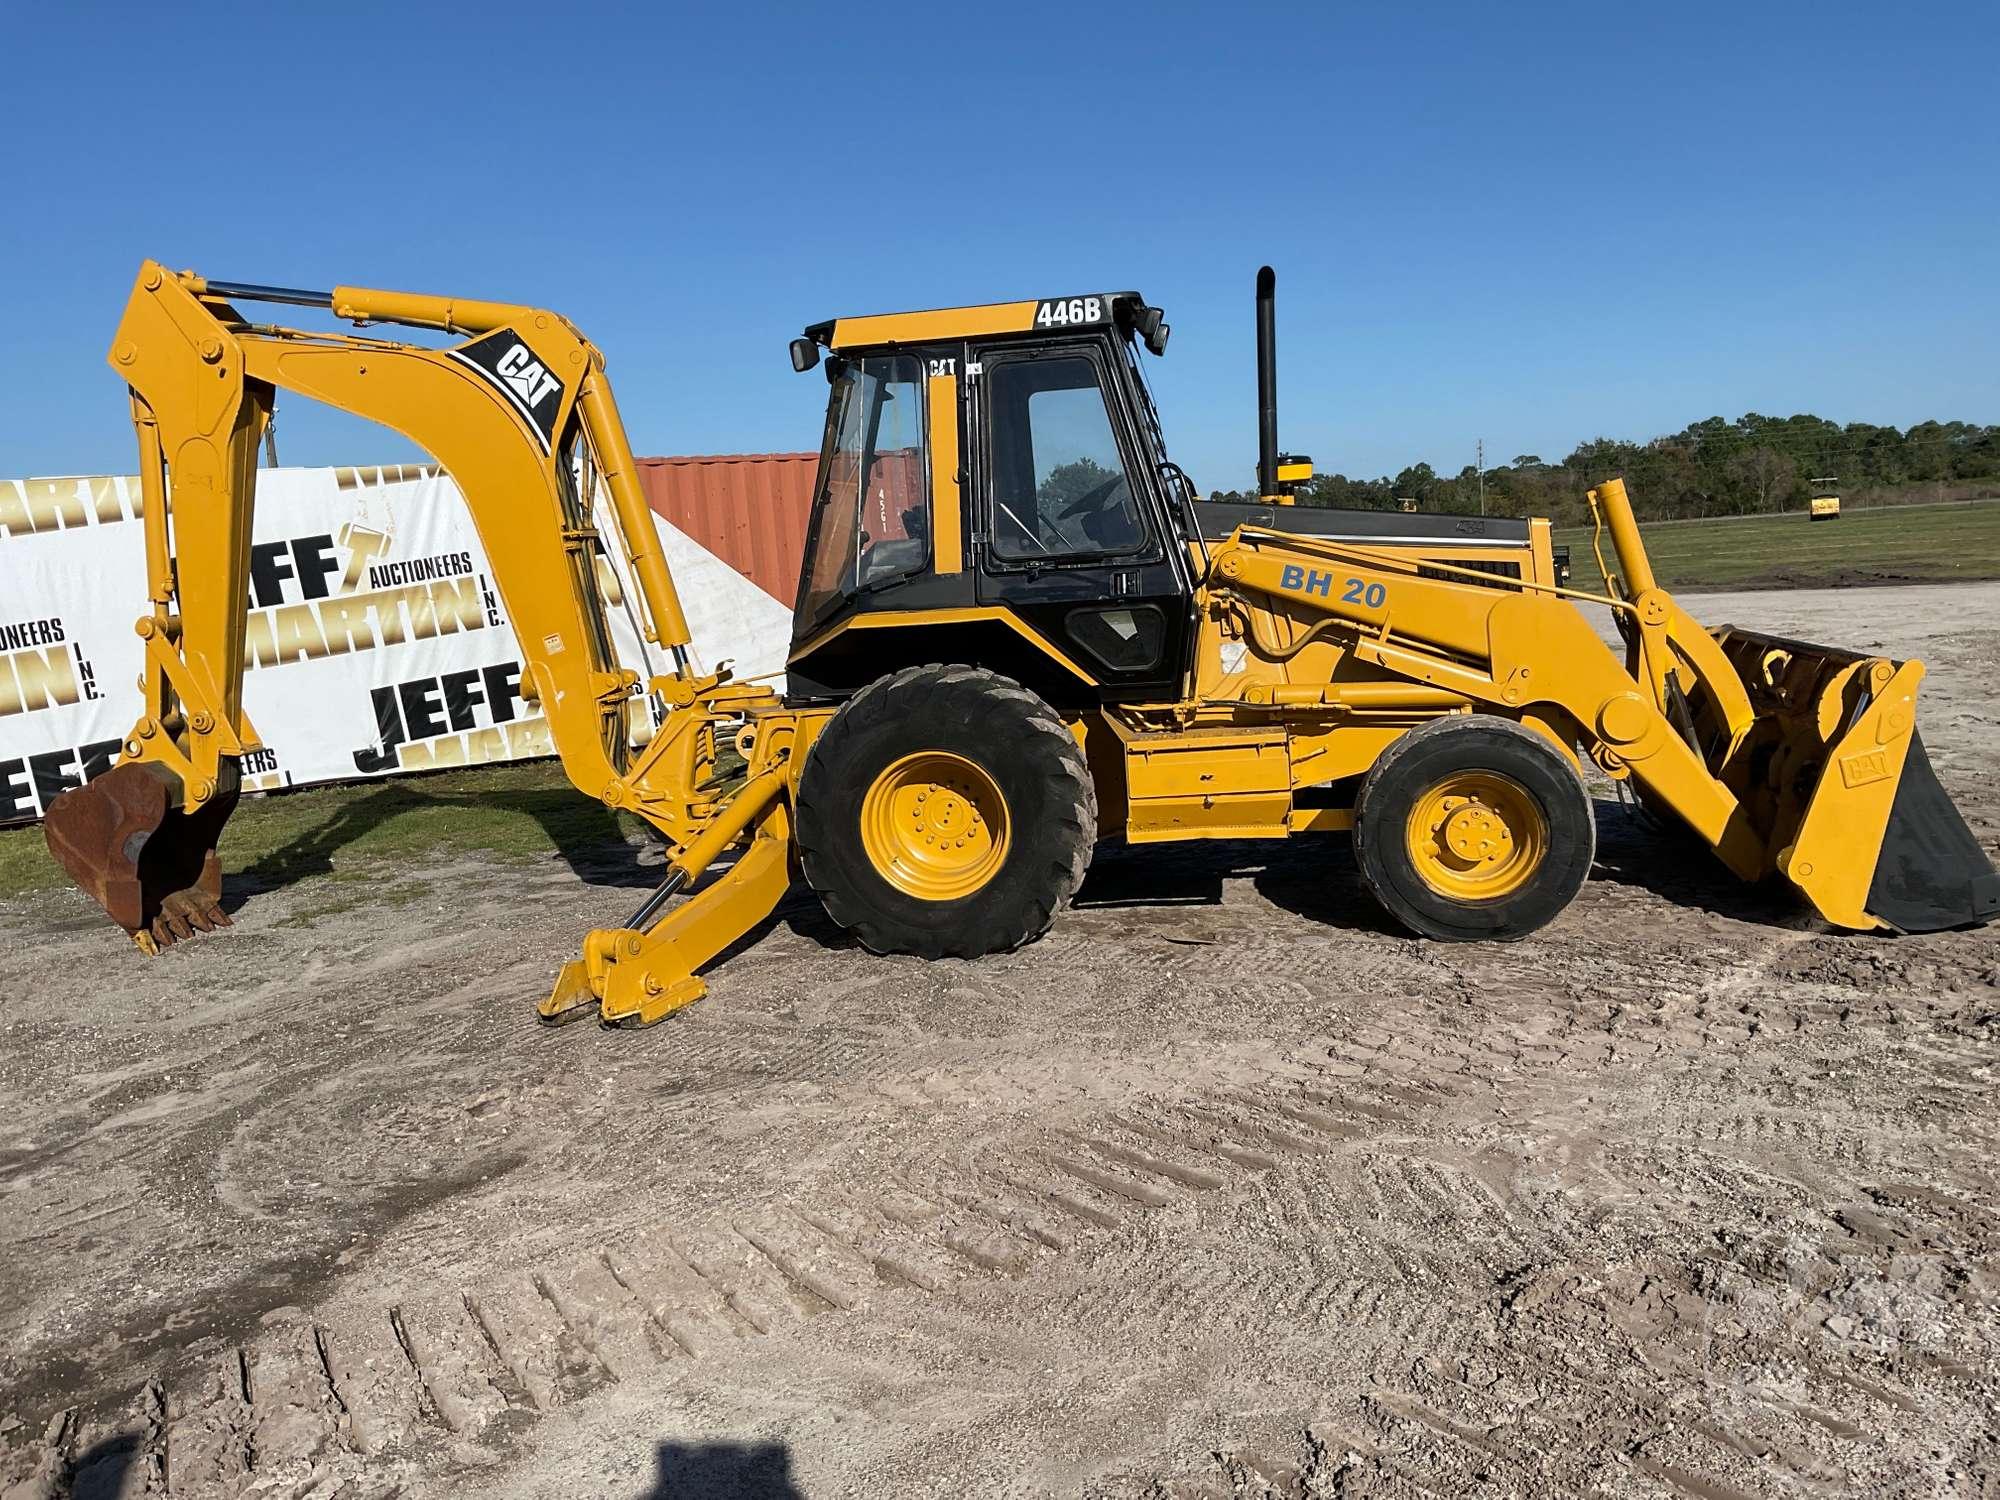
x=1353 y=590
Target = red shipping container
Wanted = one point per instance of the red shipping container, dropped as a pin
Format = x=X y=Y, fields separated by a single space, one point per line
x=749 y=509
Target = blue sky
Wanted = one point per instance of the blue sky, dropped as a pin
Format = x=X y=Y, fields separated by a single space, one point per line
x=1528 y=223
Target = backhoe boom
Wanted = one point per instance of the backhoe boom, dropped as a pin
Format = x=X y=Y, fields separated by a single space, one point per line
x=522 y=417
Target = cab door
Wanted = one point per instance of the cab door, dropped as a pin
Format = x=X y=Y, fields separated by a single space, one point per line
x=1070 y=529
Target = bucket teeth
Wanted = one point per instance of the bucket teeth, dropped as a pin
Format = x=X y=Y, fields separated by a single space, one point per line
x=184 y=913
x=152 y=867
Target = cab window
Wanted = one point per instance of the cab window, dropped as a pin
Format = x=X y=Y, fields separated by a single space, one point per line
x=869 y=521
x=1059 y=484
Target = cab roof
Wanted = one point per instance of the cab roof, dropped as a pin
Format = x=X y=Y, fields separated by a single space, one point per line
x=986 y=320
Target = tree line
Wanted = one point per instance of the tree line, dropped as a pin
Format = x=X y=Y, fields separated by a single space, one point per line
x=1717 y=467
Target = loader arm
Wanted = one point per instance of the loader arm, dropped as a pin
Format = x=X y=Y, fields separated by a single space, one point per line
x=522 y=417
x=1787 y=759
x=1513 y=651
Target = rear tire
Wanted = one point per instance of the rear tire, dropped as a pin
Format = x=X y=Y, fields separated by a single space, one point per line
x=1471 y=828
x=947 y=812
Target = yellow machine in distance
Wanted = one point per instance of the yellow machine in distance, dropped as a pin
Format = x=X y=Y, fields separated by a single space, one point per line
x=1018 y=632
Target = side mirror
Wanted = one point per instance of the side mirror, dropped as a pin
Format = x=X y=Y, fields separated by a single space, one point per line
x=1153 y=329
x=805 y=354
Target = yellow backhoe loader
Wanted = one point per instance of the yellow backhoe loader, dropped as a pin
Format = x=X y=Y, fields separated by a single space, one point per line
x=1017 y=632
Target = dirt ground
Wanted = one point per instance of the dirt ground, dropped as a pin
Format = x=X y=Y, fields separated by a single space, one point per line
x=1224 y=1187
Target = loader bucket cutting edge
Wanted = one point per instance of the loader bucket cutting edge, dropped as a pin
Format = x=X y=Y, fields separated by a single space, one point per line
x=1931 y=873
x=151 y=866
x=1865 y=853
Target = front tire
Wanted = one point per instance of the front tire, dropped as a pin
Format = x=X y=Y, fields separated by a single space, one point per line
x=1471 y=828
x=947 y=812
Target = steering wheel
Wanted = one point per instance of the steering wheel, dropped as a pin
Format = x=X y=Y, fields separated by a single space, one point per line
x=1090 y=499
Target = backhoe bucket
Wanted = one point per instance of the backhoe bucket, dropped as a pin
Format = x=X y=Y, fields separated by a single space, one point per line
x=1835 y=774
x=126 y=842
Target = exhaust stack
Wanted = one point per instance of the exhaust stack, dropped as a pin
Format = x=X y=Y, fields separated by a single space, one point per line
x=1267 y=382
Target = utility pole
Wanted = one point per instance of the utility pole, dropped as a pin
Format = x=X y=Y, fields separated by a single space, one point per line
x=1482 y=476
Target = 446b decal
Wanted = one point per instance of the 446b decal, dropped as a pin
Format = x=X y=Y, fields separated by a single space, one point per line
x=1068 y=312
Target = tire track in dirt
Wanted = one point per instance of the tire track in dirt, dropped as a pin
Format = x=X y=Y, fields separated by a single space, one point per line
x=1556 y=1403
x=1803 y=1360
x=416 y=1380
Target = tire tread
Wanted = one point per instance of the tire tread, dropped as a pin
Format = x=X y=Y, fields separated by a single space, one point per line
x=1383 y=861
x=947 y=694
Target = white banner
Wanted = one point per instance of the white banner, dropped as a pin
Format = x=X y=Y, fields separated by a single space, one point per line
x=376 y=643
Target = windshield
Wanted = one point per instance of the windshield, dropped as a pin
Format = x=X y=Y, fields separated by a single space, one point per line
x=869 y=520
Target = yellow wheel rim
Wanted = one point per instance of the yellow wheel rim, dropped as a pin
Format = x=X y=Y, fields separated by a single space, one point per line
x=935 y=825
x=1477 y=835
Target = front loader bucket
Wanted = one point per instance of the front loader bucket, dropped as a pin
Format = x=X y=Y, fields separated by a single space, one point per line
x=152 y=867
x=1834 y=772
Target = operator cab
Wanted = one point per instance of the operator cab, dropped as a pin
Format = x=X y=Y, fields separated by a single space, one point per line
x=996 y=472
x=994 y=488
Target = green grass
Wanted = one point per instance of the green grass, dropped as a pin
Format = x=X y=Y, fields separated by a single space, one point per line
x=1882 y=544
x=354 y=830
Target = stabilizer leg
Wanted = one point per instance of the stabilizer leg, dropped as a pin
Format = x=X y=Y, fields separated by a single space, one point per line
x=637 y=978
x=580 y=983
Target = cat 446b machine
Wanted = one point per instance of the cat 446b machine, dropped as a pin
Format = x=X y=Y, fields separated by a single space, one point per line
x=1018 y=632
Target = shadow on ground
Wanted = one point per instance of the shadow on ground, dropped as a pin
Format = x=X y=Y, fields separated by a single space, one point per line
x=104 y=1470
x=586 y=835
x=1315 y=876
x=724 y=1471
x=1673 y=863
x=684 y=1471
